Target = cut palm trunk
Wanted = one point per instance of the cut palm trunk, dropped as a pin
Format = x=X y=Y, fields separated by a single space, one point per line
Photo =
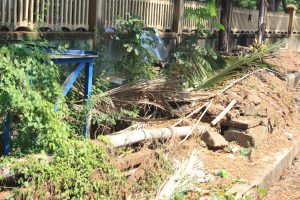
x=132 y=137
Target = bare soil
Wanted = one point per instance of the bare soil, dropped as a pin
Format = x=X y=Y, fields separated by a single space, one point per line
x=286 y=61
x=278 y=106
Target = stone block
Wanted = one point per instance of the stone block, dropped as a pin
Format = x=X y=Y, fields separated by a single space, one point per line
x=243 y=124
x=247 y=138
x=213 y=139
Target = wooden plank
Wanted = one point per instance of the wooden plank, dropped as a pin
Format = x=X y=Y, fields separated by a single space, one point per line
x=224 y=112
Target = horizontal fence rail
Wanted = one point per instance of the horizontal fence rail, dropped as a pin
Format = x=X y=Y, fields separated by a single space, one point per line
x=155 y=13
x=49 y=15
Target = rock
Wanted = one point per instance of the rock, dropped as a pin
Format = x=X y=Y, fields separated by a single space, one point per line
x=215 y=109
x=251 y=110
x=247 y=138
x=254 y=99
x=243 y=123
x=293 y=80
x=213 y=139
x=290 y=136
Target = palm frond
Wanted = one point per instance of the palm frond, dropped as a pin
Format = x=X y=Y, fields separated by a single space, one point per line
x=186 y=177
x=234 y=65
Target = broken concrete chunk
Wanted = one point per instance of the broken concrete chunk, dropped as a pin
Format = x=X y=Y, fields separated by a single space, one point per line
x=254 y=99
x=293 y=80
x=215 y=109
x=247 y=138
x=243 y=124
x=213 y=139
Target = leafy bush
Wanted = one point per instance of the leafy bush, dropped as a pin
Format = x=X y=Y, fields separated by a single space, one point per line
x=136 y=61
x=28 y=91
x=201 y=15
x=76 y=168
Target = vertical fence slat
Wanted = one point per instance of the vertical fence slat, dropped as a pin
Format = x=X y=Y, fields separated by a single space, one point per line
x=15 y=12
x=87 y=14
x=10 y=8
x=3 y=11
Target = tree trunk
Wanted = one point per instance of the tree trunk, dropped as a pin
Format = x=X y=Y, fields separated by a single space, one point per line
x=224 y=35
x=261 y=21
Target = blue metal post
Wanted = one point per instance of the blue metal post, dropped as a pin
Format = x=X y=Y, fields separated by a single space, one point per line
x=88 y=80
x=72 y=78
x=88 y=93
x=6 y=136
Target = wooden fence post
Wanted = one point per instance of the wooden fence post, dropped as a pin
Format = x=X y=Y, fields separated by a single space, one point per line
x=100 y=20
x=291 y=10
x=93 y=15
x=178 y=15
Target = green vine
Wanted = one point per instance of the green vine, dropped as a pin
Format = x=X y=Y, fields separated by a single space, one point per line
x=76 y=168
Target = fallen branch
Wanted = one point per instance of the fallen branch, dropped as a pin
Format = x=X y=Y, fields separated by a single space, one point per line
x=241 y=79
x=191 y=114
x=224 y=112
x=132 y=137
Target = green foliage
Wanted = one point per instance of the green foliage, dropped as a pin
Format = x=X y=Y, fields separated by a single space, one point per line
x=223 y=195
x=235 y=65
x=76 y=168
x=28 y=91
x=71 y=174
x=261 y=192
x=201 y=15
x=202 y=67
x=194 y=66
x=136 y=61
x=153 y=177
x=250 y=4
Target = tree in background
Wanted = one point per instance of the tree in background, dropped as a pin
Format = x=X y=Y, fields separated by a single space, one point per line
x=250 y=4
x=274 y=5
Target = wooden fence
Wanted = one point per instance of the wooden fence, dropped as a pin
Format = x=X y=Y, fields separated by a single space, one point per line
x=244 y=20
x=155 y=13
x=70 y=15
x=55 y=15
x=159 y=14
x=297 y=25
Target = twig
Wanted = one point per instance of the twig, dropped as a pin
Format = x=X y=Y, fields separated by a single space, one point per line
x=207 y=104
x=240 y=79
x=224 y=112
x=191 y=114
